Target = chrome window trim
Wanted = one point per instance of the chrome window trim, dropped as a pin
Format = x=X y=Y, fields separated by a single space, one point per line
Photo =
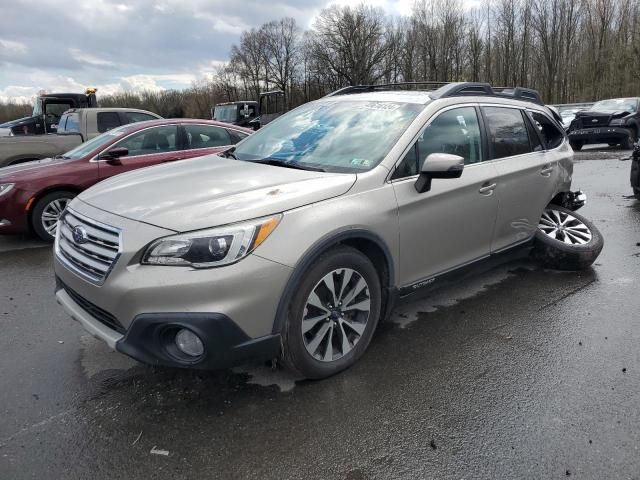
x=73 y=268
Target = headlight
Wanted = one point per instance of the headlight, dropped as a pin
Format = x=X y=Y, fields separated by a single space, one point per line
x=617 y=122
x=5 y=188
x=214 y=247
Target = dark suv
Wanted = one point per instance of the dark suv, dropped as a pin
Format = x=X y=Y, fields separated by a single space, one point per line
x=614 y=121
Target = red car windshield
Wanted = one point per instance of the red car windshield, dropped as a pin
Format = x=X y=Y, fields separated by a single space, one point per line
x=87 y=147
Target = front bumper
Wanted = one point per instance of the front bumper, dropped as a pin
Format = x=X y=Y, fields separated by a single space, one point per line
x=599 y=135
x=150 y=337
x=13 y=216
x=232 y=307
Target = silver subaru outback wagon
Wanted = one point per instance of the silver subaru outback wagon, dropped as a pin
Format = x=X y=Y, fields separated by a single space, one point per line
x=296 y=243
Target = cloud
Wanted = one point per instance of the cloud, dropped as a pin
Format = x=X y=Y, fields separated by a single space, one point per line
x=155 y=44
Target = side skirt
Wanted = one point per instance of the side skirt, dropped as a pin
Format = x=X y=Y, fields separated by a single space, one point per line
x=482 y=265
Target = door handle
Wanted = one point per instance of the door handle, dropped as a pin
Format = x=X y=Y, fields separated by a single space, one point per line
x=546 y=170
x=487 y=188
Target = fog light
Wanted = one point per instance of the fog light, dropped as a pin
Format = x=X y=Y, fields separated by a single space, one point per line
x=189 y=343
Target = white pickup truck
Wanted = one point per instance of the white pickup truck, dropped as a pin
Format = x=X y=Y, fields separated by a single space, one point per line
x=75 y=126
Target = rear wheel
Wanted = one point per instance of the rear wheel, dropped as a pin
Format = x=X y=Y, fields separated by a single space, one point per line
x=577 y=146
x=566 y=240
x=333 y=315
x=46 y=213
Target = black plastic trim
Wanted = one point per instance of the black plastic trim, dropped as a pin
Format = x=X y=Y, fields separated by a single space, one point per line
x=482 y=264
x=225 y=343
x=318 y=248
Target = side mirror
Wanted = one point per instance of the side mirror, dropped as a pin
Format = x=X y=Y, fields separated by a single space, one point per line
x=438 y=165
x=113 y=156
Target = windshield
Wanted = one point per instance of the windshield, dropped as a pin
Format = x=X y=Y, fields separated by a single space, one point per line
x=616 y=105
x=336 y=136
x=226 y=113
x=85 y=148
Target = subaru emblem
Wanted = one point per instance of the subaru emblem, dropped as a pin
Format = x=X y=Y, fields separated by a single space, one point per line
x=79 y=235
x=595 y=120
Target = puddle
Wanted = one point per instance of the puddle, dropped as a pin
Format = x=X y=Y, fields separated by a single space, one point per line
x=266 y=376
x=97 y=357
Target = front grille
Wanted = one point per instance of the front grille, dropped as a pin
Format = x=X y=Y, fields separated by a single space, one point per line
x=96 y=312
x=95 y=255
x=595 y=121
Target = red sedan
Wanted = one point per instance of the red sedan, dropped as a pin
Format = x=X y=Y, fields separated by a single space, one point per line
x=34 y=194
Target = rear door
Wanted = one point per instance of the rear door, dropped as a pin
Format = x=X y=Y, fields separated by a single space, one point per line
x=518 y=156
x=147 y=147
x=452 y=224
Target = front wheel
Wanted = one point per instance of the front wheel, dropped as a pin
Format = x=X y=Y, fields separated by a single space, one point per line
x=333 y=314
x=46 y=213
x=565 y=240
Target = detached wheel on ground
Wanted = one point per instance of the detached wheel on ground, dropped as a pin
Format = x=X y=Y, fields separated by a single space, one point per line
x=566 y=240
x=47 y=211
x=576 y=146
x=333 y=314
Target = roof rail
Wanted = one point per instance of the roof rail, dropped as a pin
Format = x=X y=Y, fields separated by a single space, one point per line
x=385 y=86
x=451 y=89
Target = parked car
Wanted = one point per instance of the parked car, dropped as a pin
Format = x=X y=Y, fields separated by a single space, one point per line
x=74 y=127
x=615 y=122
x=46 y=113
x=635 y=170
x=296 y=242
x=34 y=194
x=567 y=111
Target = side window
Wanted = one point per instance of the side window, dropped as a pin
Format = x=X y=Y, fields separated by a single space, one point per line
x=551 y=134
x=507 y=131
x=534 y=138
x=455 y=131
x=133 y=117
x=151 y=140
x=236 y=136
x=206 y=136
x=107 y=121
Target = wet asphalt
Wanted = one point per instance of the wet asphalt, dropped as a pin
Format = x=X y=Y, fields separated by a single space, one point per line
x=520 y=372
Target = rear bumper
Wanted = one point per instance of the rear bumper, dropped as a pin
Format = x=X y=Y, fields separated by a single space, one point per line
x=150 y=337
x=599 y=135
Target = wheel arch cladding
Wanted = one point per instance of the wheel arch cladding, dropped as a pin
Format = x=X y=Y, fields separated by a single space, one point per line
x=370 y=244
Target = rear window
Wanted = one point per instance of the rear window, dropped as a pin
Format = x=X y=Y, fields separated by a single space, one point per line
x=69 y=123
x=507 y=131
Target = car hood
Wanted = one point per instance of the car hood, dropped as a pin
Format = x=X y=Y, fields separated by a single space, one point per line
x=210 y=191
x=13 y=123
x=28 y=170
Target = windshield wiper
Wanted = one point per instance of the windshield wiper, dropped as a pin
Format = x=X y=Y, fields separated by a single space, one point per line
x=229 y=153
x=283 y=163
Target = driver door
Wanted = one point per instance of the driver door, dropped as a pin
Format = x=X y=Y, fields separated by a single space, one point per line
x=147 y=147
x=453 y=223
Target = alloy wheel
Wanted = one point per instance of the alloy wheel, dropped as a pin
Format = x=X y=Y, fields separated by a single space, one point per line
x=51 y=214
x=564 y=227
x=335 y=315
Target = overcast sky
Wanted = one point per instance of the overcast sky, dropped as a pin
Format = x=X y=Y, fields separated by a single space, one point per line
x=132 y=44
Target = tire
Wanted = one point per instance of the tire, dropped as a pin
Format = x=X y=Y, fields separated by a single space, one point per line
x=44 y=211
x=636 y=193
x=628 y=142
x=307 y=350
x=612 y=144
x=561 y=251
x=577 y=146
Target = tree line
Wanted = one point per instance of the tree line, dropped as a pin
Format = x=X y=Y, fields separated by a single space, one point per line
x=569 y=50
